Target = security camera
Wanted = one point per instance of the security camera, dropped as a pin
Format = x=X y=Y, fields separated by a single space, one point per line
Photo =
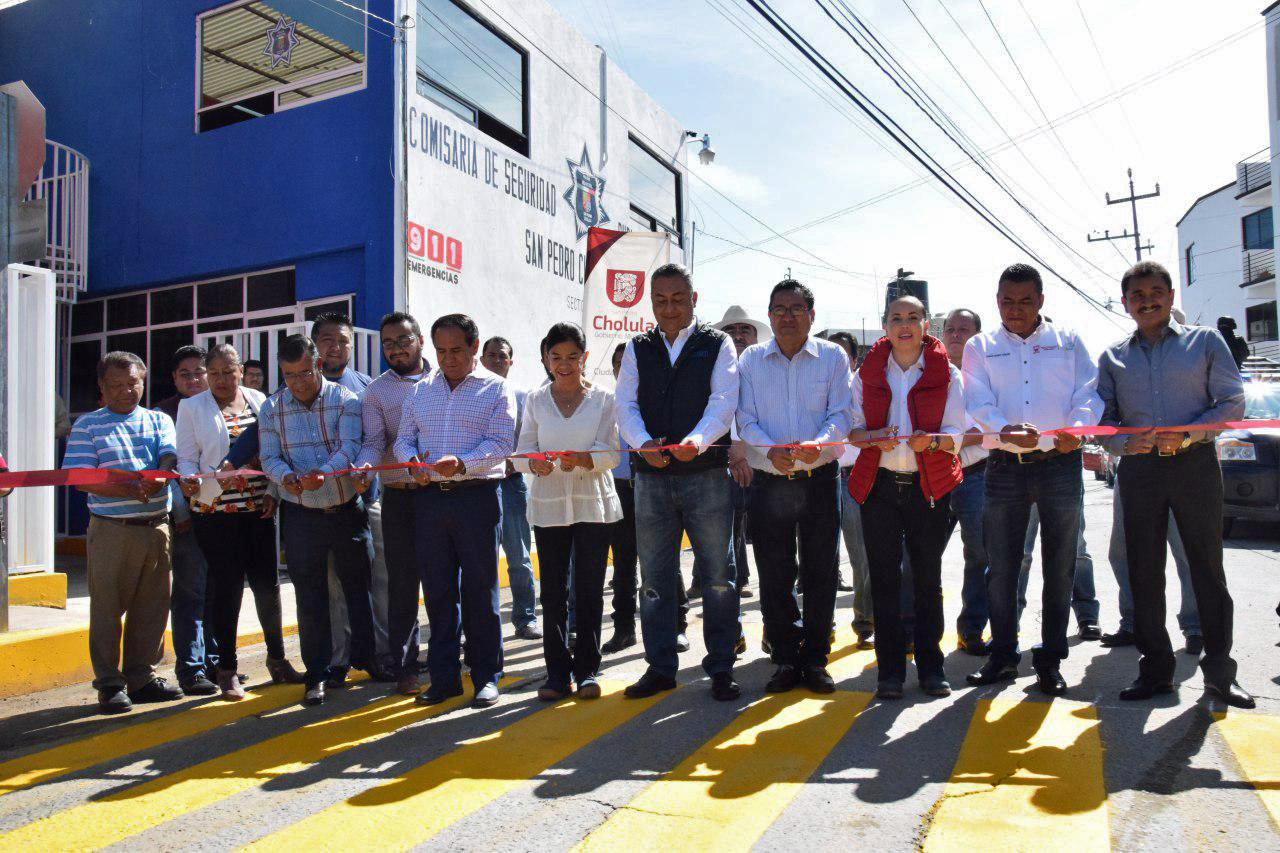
x=707 y=155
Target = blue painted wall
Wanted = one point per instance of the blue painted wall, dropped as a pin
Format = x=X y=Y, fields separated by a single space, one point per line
x=311 y=185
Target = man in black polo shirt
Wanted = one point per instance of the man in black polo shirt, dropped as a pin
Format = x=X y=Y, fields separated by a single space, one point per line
x=679 y=386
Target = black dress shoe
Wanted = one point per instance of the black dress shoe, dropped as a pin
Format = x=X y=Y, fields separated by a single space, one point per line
x=817 y=679
x=1233 y=694
x=724 y=688
x=975 y=646
x=1142 y=689
x=935 y=686
x=1118 y=639
x=843 y=585
x=113 y=700
x=313 y=695
x=618 y=642
x=1090 y=632
x=682 y=642
x=337 y=679
x=992 y=673
x=437 y=693
x=1050 y=682
x=198 y=685
x=694 y=592
x=785 y=678
x=1195 y=644
x=889 y=690
x=155 y=690
x=650 y=684
x=866 y=640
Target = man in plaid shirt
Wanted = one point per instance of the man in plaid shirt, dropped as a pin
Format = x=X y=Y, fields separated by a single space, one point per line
x=308 y=432
x=461 y=420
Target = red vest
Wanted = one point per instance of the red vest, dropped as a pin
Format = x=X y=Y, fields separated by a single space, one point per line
x=939 y=472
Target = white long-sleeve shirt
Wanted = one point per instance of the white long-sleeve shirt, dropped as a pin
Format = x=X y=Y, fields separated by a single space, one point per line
x=1047 y=379
x=721 y=404
x=581 y=495
x=902 y=457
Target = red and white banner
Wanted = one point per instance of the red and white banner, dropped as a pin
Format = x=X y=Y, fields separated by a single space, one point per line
x=616 y=304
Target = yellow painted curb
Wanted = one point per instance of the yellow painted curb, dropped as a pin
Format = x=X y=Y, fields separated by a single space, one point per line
x=46 y=589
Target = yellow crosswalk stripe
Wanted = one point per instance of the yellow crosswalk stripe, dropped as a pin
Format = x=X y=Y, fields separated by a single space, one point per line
x=1029 y=776
x=1255 y=740
x=730 y=790
x=119 y=815
x=45 y=765
x=432 y=796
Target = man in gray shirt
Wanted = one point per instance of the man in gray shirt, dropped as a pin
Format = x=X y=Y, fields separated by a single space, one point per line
x=1166 y=375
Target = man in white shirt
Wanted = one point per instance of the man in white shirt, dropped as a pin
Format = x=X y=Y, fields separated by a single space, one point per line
x=1026 y=376
x=795 y=390
x=908 y=415
x=678 y=389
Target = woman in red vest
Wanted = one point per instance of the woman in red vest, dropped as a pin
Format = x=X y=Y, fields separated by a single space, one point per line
x=908 y=403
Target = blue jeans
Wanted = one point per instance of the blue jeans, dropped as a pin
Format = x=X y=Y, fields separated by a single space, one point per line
x=1084 y=598
x=192 y=650
x=457 y=549
x=1188 y=614
x=1056 y=487
x=864 y=621
x=699 y=504
x=515 y=544
x=968 y=501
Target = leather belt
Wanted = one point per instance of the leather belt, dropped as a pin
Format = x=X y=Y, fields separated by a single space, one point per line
x=902 y=479
x=827 y=470
x=975 y=467
x=1031 y=456
x=403 y=487
x=135 y=521
x=454 y=485
x=327 y=510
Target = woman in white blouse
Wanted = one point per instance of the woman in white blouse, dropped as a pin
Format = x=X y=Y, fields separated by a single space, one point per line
x=572 y=503
x=234 y=526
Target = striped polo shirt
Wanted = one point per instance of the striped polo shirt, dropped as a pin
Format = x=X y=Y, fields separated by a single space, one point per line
x=132 y=442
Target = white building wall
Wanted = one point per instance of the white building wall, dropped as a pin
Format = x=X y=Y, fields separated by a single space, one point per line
x=1212 y=230
x=519 y=265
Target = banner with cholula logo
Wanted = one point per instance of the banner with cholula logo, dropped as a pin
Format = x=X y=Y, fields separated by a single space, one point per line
x=616 y=307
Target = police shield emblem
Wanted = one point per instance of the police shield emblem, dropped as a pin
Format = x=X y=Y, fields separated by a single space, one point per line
x=585 y=195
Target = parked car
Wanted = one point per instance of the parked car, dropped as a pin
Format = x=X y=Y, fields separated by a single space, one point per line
x=1251 y=461
x=1110 y=465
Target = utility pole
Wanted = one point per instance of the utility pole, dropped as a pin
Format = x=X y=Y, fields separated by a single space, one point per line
x=1132 y=200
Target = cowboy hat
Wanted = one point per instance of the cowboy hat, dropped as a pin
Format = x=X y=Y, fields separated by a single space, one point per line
x=737 y=314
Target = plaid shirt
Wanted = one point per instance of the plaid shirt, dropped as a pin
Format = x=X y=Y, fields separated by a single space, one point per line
x=475 y=422
x=380 y=410
x=295 y=439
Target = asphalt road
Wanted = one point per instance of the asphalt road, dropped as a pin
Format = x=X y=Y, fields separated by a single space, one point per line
x=998 y=767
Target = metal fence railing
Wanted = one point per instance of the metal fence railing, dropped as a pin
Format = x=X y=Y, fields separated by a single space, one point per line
x=1254 y=172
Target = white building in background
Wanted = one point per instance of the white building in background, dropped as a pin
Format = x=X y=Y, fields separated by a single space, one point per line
x=1226 y=256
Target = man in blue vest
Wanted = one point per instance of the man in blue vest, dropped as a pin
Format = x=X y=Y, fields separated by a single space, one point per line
x=678 y=388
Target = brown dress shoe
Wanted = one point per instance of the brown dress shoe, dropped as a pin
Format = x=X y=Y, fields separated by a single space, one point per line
x=408 y=684
x=232 y=689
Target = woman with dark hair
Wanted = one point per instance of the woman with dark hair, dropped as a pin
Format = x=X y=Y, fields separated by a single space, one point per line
x=572 y=505
x=235 y=525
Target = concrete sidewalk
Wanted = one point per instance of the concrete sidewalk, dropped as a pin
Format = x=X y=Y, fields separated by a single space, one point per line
x=48 y=647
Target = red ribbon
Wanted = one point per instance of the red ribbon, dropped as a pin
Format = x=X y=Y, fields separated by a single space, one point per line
x=113 y=476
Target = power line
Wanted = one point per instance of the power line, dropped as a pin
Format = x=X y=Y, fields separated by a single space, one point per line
x=855 y=95
x=1106 y=72
x=964 y=148
x=1097 y=103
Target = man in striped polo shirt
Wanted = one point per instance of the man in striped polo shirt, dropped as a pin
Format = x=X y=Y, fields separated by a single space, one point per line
x=128 y=546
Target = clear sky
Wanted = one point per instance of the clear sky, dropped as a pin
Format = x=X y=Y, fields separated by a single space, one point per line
x=789 y=157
